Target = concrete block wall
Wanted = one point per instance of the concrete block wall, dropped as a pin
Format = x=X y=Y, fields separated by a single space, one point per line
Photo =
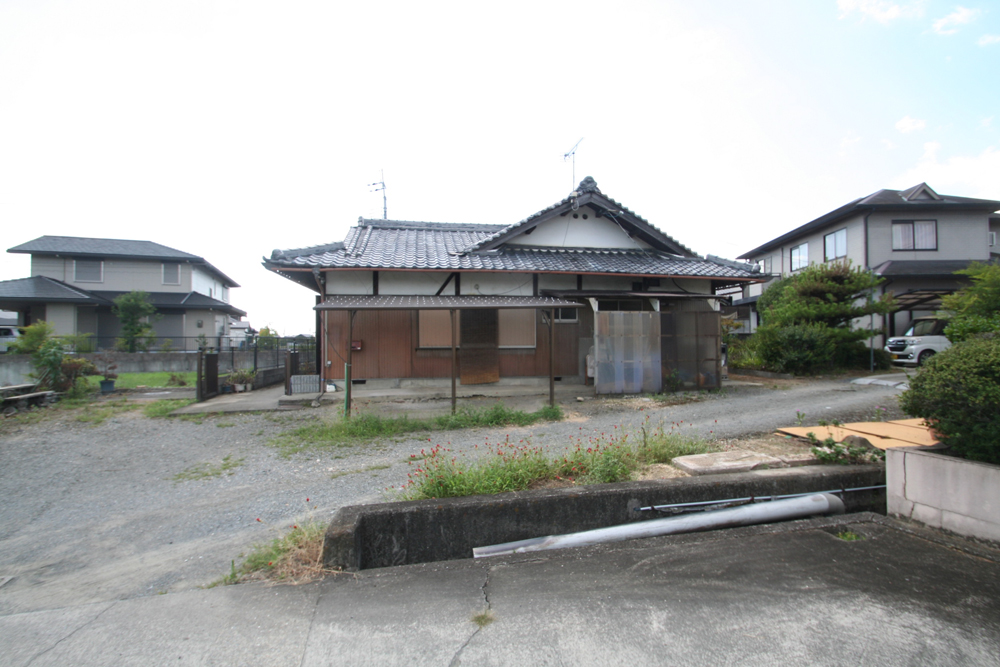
x=422 y=531
x=944 y=491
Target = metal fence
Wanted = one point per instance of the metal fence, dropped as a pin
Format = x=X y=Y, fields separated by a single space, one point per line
x=254 y=353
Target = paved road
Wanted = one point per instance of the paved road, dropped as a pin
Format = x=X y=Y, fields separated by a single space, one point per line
x=790 y=594
x=95 y=513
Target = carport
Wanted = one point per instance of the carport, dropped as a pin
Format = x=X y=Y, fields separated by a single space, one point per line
x=476 y=309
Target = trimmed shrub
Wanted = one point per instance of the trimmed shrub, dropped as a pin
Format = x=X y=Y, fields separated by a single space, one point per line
x=958 y=391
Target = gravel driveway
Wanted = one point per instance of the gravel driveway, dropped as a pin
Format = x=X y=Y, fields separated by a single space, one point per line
x=93 y=513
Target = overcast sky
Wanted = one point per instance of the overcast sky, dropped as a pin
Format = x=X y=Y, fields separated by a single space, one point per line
x=228 y=129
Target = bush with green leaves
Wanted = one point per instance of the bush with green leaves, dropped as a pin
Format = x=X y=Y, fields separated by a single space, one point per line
x=32 y=338
x=974 y=309
x=958 y=392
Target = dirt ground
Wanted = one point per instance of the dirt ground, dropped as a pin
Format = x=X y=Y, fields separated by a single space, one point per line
x=104 y=503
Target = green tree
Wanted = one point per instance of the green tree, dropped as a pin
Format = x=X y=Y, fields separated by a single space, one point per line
x=807 y=318
x=136 y=314
x=267 y=339
x=975 y=309
x=33 y=337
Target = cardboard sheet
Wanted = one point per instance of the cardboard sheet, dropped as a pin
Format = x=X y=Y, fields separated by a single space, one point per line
x=901 y=433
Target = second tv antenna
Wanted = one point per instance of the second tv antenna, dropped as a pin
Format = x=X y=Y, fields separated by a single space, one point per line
x=381 y=186
x=571 y=154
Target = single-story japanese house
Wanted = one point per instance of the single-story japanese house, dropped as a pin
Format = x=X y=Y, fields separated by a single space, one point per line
x=627 y=305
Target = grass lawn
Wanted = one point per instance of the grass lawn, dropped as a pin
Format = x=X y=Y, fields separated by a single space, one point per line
x=133 y=380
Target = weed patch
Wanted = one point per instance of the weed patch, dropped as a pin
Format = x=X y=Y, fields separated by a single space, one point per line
x=164 y=379
x=849 y=536
x=296 y=557
x=364 y=428
x=507 y=466
x=207 y=470
x=343 y=473
x=484 y=618
x=164 y=407
x=99 y=414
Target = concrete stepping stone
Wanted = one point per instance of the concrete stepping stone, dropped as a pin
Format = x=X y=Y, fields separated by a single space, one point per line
x=737 y=460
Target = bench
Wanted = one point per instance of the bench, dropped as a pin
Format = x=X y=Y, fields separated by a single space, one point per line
x=23 y=400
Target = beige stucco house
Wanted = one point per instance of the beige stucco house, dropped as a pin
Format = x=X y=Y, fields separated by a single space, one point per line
x=74 y=282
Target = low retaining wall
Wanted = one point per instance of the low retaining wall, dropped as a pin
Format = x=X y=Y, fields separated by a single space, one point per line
x=14 y=369
x=422 y=531
x=944 y=491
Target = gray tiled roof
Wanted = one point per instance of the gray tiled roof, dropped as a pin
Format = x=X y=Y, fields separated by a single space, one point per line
x=883 y=200
x=178 y=300
x=76 y=246
x=43 y=289
x=389 y=245
x=923 y=267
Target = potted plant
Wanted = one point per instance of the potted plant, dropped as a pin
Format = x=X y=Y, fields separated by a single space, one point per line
x=106 y=369
x=242 y=379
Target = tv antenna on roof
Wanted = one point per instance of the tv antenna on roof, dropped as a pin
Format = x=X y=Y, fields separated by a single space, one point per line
x=571 y=153
x=381 y=186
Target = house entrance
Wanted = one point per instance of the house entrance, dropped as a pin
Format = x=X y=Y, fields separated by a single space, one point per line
x=479 y=356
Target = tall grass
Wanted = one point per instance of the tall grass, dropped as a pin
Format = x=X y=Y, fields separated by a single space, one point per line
x=368 y=427
x=508 y=466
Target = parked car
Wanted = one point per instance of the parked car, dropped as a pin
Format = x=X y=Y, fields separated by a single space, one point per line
x=922 y=340
x=7 y=336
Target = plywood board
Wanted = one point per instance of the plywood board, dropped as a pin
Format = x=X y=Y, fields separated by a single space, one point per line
x=479 y=358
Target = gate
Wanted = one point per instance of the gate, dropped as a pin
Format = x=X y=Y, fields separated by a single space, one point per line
x=627 y=352
x=208 y=375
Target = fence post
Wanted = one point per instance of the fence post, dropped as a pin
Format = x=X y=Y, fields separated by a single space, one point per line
x=288 y=373
x=199 y=382
x=256 y=344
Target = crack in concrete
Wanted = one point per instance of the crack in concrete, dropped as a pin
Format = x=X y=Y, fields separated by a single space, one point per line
x=52 y=648
x=457 y=659
x=312 y=624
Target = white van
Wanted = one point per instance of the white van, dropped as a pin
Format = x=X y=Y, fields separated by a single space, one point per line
x=922 y=340
x=7 y=336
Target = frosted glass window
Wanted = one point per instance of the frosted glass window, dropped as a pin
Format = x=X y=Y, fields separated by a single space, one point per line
x=914 y=235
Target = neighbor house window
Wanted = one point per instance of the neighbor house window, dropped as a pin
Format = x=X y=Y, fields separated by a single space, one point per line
x=800 y=256
x=517 y=327
x=914 y=235
x=764 y=265
x=88 y=271
x=434 y=328
x=835 y=245
x=171 y=273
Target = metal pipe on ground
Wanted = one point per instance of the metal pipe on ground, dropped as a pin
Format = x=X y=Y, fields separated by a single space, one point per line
x=746 y=515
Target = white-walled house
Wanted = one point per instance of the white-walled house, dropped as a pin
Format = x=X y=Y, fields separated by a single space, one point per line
x=639 y=303
x=915 y=239
x=74 y=282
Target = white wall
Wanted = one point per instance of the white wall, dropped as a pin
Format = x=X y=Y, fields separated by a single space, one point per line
x=944 y=491
x=570 y=232
x=208 y=284
x=960 y=235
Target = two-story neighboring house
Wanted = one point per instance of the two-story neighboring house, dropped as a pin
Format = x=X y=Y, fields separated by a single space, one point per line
x=74 y=282
x=915 y=239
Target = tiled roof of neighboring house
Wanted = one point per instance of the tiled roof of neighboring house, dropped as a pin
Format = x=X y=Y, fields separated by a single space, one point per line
x=923 y=267
x=74 y=246
x=42 y=289
x=179 y=301
x=883 y=200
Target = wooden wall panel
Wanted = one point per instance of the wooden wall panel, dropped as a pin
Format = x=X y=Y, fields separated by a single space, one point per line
x=336 y=343
x=395 y=344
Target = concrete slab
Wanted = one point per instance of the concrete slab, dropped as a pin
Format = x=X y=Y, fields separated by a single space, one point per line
x=259 y=400
x=900 y=381
x=736 y=460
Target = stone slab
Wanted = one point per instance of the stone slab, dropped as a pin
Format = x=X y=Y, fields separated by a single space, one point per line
x=737 y=460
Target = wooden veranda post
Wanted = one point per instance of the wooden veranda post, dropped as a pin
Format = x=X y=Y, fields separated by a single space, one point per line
x=552 y=361
x=347 y=366
x=454 y=400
